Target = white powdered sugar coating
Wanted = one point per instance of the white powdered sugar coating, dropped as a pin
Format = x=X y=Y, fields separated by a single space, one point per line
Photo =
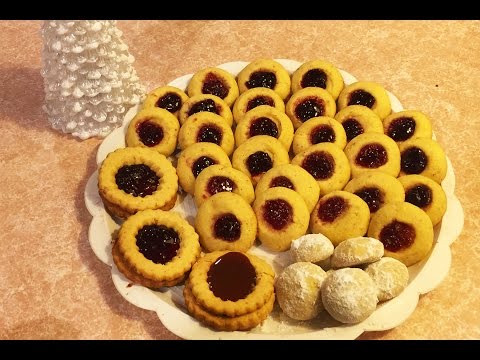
x=390 y=276
x=349 y=295
x=298 y=290
x=357 y=251
x=312 y=248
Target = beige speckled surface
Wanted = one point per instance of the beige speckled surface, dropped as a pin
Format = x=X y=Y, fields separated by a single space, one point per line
x=51 y=284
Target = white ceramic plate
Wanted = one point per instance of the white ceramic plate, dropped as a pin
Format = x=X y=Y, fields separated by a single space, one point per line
x=169 y=304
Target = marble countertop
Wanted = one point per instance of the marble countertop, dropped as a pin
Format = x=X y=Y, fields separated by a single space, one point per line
x=51 y=284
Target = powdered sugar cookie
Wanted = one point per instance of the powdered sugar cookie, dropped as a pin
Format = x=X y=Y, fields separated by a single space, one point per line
x=312 y=248
x=390 y=276
x=357 y=251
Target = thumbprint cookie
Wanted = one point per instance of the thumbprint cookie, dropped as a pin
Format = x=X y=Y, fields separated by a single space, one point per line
x=230 y=290
x=376 y=188
x=339 y=216
x=405 y=230
x=366 y=93
x=309 y=103
x=252 y=98
x=318 y=73
x=206 y=127
x=358 y=119
x=196 y=158
x=372 y=151
x=154 y=128
x=282 y=217
x=169 y=98
x=408 y=124
x=214 y=81
x=208 y=103
x=319 y=130
x=426 y=194
x=265 y=73
x=220 y=178
x=265 y=120
x=134 y=178
x=156 y=248
x=259 y=154
x=328 y=165
x=292 y=177
x=422 y=156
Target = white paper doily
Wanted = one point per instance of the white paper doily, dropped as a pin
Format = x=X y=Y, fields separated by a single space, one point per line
x=169 y=305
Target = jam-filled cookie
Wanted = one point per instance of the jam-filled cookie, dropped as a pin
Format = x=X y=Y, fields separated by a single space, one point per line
x=298 y=290
x=134 y=178
x=328 y=165
x=154 y=128
x=259 y=154
x=292 y=177
x=372 y=151
x=156 y=248
x=358 y=119
x=252 y=98
x=214 y=81
x=265 y=120
x=169 y=98
x=282 y=217
x=208 y=103
x=376 y=188
x=196 y=158
x=357 y=251
x=408 y=124
x=220 y=178
x=318 y=73
x=230 y=290
x=405 y=230
x=425 y=193
x=318 y=130
x=265 y=73
x=366 y=93
x=339 y=216
x=206 y=127
x=425 y=157
x=309 y=103
x=225 y=221
x=349 y=295
x=390 y=276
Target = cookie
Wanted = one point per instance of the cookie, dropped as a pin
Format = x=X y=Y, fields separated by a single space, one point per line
x=226 y=222
x=265 y=73
x=313 y=248
x=318 y=73
x=219 y=178
x=169 y=98
x=357 y=120
x=259 y=154
x=214 y=81
x=265 y=120
x=194 y=159
x=372 y=151
x=376 y=188
x=252 y=98
x=309 y=103
x=339 y=216
x=422 y=156
x=390 y=276
x=208 y=103
x=425 y=193
x=405 y=231
x=357 y=251
x=282 y=217
x=327 y=164
x=366 y=93
x=292 y=177
x=156 y=248
x=206 y=127
x=298 y=290
x=408 y=124
x=135 y=178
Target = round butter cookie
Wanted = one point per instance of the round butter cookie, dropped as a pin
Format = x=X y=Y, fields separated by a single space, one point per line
x=208 y=103
x=169 y=98
x=313 y=248
x=366 y=93
x=357 y=251
x=214 y=81
x=252 y=98
x=390 y=276
x=318 y=73
x=309 y=103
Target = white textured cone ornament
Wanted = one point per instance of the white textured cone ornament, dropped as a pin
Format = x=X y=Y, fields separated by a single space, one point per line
x=88 y=74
